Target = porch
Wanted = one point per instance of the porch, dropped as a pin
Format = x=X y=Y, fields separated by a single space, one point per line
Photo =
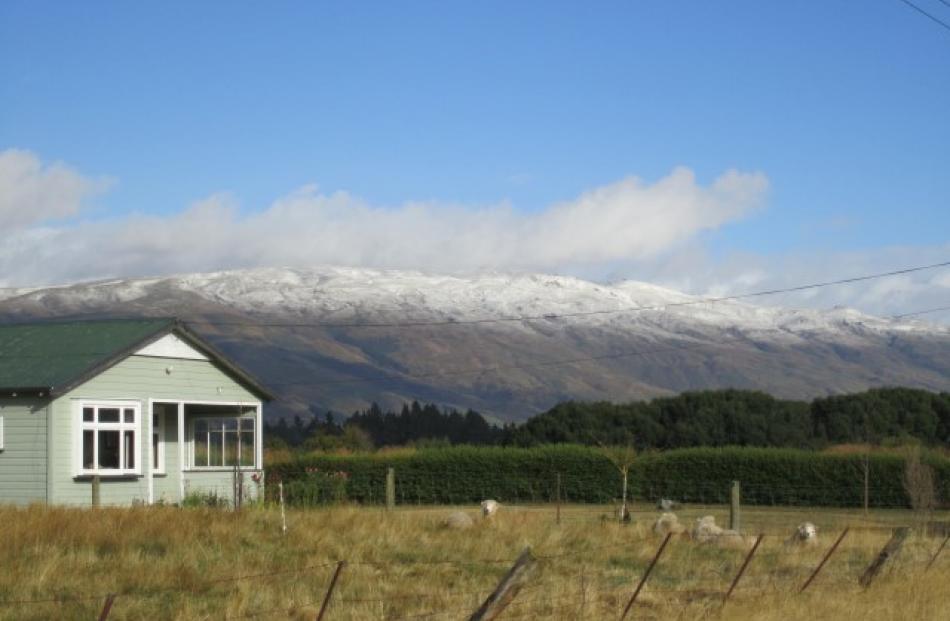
x=201 y=447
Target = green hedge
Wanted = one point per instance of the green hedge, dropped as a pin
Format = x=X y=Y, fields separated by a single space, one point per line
x=463 y=475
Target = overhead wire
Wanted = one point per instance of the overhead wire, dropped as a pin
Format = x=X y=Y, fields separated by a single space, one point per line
x=927 y=14
x=921 y=312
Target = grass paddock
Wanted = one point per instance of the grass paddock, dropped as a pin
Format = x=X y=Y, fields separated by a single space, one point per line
x=171 y=563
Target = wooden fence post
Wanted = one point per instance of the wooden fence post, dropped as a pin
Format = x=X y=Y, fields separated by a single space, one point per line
x=734 y=506
x=96 y=498
x=507 y=589
x=745 y=563
x=390 y=489
x=643 y=580
x=825 y=559
x=889 y=550
x=107 y=608
x=283 y=515
x=326 y=598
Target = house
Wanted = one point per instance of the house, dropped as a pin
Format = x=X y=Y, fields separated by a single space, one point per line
x=145 y=407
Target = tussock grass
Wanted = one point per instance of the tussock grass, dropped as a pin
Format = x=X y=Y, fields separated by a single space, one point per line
x=170 y=563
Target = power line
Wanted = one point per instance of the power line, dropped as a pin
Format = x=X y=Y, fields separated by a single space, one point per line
x=550 y=316
x=922 y=312
x=923 y=12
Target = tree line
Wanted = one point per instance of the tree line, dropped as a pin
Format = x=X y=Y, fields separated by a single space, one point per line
x=414 y=424
x=701 y=418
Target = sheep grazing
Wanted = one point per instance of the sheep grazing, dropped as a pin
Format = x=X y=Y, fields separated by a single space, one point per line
x=665 y=504
x=707 y=531
x=668 y=523
x=490 y=508
x=805 y=534
x=458 y=520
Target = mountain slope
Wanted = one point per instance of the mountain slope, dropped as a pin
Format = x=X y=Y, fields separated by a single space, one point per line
x=450 y=348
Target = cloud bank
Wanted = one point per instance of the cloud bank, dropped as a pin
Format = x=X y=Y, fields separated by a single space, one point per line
x=31 y=192
x=631 y=228
x=626 y=220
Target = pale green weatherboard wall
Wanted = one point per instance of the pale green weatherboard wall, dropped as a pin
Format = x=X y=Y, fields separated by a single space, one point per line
x=23 y=458
x=140 y=378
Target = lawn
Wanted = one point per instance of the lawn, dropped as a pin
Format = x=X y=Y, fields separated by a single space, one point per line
x=171 y=563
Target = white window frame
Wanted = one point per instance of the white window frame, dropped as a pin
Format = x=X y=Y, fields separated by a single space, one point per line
x=160 y=452
x=95 y=426
x=253 y=416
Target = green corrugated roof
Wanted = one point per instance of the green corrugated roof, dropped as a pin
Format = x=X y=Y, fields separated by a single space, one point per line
x=51 y=356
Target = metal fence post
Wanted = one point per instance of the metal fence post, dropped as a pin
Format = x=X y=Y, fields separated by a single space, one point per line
x=326 y=598
x=643 y=580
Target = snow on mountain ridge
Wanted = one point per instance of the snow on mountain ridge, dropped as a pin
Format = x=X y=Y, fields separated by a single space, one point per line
x=343 y=293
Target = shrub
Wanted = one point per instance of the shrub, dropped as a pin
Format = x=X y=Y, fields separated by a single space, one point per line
x=205 y=499
x=316 y=487
x=466 y=474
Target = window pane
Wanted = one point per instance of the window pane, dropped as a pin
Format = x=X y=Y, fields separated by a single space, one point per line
x=88 y=415
x=129 y=415
x=216 y=450
x=247 y=448
x=109 y=448
x=108 y=415
x=230 y=424
x=201 y=445
x=129 y=448
x=201 y=426
x=215 y=424
x=156 y=465
x=88 y=450
x=231 y=447
x=247 y=424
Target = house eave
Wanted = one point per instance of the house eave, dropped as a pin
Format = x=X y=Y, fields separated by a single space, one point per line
x=25 y=391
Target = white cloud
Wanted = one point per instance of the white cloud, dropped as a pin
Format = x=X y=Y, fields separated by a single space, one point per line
x=627 y=220
x=740 y=273
x=630 y=228
x=31 y=192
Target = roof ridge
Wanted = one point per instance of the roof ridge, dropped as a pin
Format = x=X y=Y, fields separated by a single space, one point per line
x=169 y=319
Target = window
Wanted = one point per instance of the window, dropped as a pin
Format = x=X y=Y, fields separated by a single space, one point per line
x=107 y=439
x=158 y=442
x=223 y=442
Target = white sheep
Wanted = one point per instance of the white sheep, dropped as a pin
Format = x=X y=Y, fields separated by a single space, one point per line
x=458 y=520
x=668 y=523
x=490 y=508
x=806 y=533
x=707 y=531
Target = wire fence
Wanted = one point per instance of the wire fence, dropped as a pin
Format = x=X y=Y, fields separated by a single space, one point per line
x=600 y=588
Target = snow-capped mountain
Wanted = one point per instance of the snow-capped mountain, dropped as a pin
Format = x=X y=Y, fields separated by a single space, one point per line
x=507 y=345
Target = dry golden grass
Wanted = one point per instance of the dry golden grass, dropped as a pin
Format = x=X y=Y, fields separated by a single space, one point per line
x=169 y=563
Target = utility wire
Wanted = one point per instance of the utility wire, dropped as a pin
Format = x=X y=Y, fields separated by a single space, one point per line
x=923 y=12
x=922 y=312
x=550 y=316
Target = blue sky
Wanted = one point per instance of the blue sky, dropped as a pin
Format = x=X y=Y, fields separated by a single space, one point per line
x=842 y=106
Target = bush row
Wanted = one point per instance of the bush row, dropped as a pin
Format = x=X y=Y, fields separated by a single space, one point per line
x=697 y=475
